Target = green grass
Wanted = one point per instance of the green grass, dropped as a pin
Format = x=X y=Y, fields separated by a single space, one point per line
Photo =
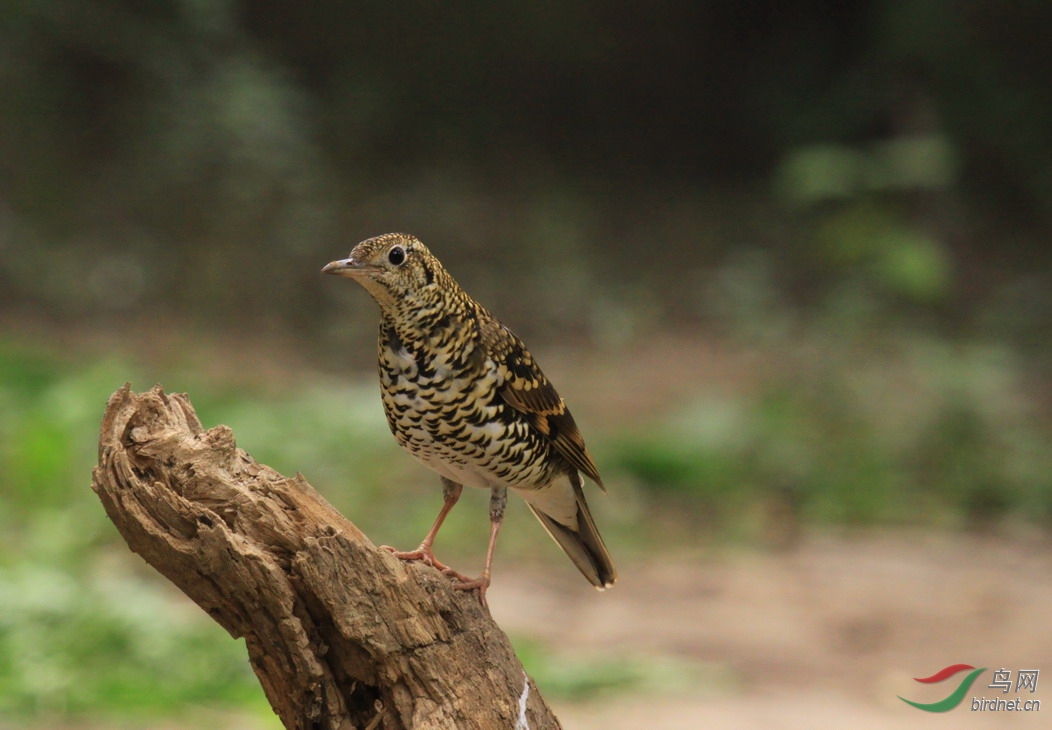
x=81 y=645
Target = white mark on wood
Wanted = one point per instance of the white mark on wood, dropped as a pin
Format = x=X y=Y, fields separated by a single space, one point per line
x=380 y=712
x=522 y=723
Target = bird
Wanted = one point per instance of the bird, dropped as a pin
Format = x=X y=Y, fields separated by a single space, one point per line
x=464 y=396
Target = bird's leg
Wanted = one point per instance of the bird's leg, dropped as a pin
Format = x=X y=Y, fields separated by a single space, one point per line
x=497 y=501
x=450 y=494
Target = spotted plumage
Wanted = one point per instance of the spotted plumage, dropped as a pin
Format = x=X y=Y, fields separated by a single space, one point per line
x=464 y=396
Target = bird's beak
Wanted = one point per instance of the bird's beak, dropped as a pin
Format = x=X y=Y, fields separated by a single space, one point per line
x=346 y=267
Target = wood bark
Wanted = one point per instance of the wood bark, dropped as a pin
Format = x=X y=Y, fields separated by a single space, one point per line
x=340 y=633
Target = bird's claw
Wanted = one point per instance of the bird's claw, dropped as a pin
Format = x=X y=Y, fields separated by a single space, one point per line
x=458 y=577
x=467 y=584
x=422 y=554
x=461 y=582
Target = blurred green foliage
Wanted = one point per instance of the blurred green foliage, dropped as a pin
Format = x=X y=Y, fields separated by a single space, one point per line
x=76 y=638
x=75 y=646
x=579 y=678
x=899 y=430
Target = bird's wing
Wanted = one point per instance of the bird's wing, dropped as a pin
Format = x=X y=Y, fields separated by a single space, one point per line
x=526 y=389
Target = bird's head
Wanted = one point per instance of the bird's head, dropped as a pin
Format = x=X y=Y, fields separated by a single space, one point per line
x=394 y=268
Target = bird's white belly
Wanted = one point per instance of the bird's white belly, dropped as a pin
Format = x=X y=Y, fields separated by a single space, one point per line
x=468 y=474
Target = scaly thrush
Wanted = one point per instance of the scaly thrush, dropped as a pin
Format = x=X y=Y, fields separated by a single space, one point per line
x=465 y=397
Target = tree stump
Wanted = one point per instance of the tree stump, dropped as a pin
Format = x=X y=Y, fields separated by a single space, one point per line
x=340 y=633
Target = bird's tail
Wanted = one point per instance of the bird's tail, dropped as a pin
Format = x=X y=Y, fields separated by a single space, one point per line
x=584 y=544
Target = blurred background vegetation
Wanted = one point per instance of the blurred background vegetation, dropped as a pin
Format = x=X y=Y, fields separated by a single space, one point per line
x=790 y=264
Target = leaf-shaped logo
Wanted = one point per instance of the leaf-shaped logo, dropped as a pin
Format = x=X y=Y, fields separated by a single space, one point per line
x=956 y=696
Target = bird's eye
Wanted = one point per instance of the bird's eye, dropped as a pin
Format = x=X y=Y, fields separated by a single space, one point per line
x=396 y=255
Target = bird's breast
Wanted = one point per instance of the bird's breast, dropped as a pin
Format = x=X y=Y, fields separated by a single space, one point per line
x=444 y=406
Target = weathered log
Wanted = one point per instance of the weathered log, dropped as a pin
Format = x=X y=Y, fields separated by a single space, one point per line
x=340 y=633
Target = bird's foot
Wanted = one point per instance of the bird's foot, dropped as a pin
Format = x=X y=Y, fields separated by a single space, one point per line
x=461 y=582
x=467 y=584
x=423 y=554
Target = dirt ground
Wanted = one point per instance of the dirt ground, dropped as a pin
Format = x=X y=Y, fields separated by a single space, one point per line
x=823 y=635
